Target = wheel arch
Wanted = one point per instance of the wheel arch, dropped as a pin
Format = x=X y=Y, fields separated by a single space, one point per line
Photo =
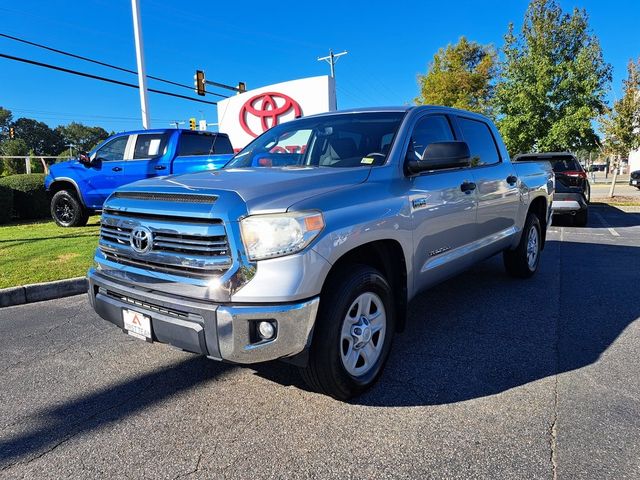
x=388 y=257
x=65 y=184
x=539 y=208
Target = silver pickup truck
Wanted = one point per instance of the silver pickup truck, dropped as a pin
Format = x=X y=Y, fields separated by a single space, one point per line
x=311 y=242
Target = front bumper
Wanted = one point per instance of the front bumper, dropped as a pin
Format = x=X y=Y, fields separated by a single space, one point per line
x=222 y=332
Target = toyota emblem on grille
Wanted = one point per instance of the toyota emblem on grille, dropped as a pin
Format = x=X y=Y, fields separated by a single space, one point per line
x=141 y=239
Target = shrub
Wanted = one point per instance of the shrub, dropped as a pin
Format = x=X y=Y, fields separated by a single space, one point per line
x=13 y=166
x=29 y=196
x=6 y=204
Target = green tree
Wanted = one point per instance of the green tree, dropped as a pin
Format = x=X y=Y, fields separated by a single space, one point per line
x=460 y=76
x=553 y=81
x=5 y=120
x=83 y=137
x=621 y=124
x=13 y=148
x=40 y=139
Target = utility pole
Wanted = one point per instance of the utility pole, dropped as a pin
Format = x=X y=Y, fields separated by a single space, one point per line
x=331 y=59
x=142 y=74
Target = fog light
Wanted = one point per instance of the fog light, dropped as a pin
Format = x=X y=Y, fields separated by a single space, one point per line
x=266 y=330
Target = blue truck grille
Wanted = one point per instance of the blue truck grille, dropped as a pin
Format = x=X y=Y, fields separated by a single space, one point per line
x=195 y=249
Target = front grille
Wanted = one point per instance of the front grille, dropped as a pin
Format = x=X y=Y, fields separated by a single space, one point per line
x=167 y=197
x=149 y=306
x=183 y=247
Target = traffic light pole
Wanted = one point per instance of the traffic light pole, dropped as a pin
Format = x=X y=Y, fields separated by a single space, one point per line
x=142 y=74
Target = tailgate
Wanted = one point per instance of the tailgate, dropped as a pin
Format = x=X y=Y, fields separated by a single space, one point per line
x=569 y=174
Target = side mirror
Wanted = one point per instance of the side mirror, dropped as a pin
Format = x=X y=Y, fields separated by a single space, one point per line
x=438 y=156
x=84 y=159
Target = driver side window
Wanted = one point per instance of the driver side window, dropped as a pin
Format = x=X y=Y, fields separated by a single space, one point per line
x=114 y=150
x=431 y=129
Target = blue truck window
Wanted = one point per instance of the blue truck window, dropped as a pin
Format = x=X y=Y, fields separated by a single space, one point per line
x=114 y=150
x=194 y=144
x=150 y=145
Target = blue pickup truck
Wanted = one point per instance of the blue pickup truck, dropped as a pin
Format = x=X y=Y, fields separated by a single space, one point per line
x=79 y=187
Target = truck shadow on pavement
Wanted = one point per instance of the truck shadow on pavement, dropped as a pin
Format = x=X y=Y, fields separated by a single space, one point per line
x=602 y=216
x=57 y=425
x=483 y=333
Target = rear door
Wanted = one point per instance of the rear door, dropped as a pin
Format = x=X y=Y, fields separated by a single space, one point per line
x=497 y=187
x=443 y=209
x=147 y=157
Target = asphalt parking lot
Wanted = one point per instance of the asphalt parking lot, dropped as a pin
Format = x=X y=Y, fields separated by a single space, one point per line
x=494 y=378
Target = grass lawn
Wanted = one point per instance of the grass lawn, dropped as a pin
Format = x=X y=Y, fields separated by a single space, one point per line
x=40 y=251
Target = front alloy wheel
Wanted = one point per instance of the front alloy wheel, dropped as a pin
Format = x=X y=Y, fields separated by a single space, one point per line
x=362 y=337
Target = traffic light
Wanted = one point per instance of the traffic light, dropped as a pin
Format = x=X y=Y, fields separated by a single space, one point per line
x=12 y=133
x=192 y=123
x=242 y=87
x=199 y=82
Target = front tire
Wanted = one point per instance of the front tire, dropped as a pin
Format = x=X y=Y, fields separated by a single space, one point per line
x=523 y=261
x=67 y=211
x=353 y=333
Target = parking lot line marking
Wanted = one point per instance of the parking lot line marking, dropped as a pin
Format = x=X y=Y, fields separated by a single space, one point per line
x=562 y=234
x=604 y=223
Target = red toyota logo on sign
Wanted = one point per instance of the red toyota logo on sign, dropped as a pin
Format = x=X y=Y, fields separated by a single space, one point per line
x=265 y=107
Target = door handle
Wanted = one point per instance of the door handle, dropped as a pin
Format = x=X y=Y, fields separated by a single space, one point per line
x=468 y=187
x=117 y=169
x=160 y=167
x=512 y=179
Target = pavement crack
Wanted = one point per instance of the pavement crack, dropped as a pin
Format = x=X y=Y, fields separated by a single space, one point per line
x=194 y=470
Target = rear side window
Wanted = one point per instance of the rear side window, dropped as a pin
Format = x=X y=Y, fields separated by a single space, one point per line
x=150 y=145
x=198 y=144
x=480 y=140
x=431 y=129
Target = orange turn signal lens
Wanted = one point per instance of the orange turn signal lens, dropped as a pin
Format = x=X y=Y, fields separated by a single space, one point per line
x=313 y=223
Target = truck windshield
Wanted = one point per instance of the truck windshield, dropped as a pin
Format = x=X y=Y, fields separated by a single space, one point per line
x=340 y=140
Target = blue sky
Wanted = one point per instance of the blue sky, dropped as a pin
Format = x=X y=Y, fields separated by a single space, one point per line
x=260 y=43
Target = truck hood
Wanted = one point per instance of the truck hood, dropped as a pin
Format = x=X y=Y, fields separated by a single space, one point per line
x=262 y=189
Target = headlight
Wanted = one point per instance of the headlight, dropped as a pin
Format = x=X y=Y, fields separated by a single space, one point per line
x=269 y=236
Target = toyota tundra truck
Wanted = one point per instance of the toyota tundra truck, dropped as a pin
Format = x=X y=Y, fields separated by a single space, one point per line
x=309 y=245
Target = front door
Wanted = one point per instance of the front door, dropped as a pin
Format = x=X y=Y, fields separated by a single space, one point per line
x=443 y=208
x=107 y=171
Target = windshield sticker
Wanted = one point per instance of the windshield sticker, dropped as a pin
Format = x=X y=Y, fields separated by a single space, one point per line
x=367 y=160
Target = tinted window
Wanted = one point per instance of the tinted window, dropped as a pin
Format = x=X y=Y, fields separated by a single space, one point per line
x=150 y=145
x=199 y=144
x=431 y=129
x=481 y=144
x=568 y=164
x=114 y=150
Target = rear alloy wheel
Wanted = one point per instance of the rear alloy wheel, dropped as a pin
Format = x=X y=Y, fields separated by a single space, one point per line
x=523 y=261
x=353 y=333
x=67 y=211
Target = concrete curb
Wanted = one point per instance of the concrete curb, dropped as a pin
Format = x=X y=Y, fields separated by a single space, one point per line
x=38 y=292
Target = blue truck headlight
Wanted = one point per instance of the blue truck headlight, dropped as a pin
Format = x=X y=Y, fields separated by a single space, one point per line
x=270 y=236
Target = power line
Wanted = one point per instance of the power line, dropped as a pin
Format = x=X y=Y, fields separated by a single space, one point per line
x=98 y=62
x=104 y=79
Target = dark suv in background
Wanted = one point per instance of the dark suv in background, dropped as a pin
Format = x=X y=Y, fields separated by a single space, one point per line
x=573 y=191
x=634 y=179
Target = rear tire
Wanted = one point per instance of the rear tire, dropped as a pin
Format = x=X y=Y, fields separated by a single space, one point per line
x=353 y=333
x=580 y=218
x=67 y=211
x=523 y=261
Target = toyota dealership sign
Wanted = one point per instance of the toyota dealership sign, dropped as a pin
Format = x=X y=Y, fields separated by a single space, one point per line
x=243 y=117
